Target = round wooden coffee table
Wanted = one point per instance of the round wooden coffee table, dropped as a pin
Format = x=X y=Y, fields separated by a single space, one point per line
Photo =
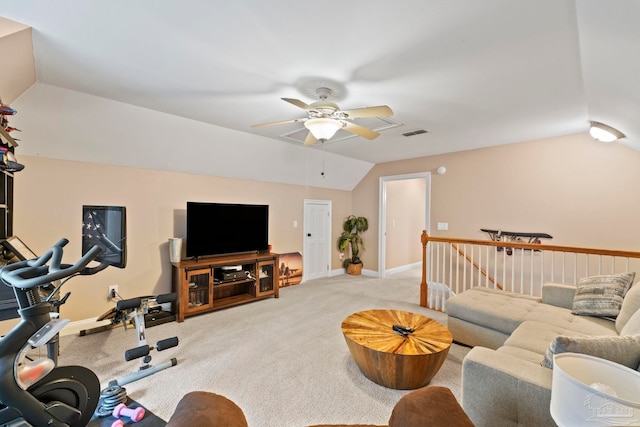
x=394 y=357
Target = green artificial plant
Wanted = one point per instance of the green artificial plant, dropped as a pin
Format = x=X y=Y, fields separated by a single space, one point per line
x=353 y=226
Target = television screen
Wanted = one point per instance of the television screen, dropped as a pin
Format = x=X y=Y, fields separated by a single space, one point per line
x=223 y=228
x=106 y=227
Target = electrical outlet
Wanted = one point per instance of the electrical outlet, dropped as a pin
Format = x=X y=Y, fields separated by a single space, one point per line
x=113 y=291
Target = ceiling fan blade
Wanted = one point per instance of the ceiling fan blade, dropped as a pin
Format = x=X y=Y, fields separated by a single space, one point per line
x=310 y=139
x=298 y=103
x=360 y=130
x=379 y=111
x=282 y=122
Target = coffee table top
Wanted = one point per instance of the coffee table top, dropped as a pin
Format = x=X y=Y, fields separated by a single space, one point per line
x=374 y=329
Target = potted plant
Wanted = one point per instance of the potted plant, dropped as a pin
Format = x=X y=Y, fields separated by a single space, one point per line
x=353 y=226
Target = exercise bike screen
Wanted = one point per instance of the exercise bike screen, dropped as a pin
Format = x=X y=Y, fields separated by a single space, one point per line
x=106 y=227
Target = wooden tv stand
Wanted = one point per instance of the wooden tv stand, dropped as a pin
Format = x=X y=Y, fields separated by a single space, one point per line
x=217 y=282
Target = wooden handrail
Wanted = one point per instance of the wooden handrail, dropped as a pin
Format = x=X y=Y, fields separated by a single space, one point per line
x=534 y=246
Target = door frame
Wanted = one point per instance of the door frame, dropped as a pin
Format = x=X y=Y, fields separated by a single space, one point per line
x=382 y=214
x=305 y=258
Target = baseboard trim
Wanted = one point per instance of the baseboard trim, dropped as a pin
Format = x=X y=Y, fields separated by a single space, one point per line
x=74 y=328
x=402 y=268
x=375 y=273
x=365 y=272
x=370 y=273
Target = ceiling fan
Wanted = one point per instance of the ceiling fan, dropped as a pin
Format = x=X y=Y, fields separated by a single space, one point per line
x=325 y=118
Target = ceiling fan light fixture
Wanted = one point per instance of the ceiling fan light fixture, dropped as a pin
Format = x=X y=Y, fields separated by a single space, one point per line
x=323 y=128
x=601 y=132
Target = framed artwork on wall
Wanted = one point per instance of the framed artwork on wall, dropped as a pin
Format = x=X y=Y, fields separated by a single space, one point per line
x=290 y=269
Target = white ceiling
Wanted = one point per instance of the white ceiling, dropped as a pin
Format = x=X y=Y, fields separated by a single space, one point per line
x=473 y=73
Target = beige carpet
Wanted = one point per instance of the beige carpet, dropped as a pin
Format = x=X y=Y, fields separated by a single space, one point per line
x=283 y=361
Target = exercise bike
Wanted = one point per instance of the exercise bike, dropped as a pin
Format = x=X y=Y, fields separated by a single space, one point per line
x=38 y=392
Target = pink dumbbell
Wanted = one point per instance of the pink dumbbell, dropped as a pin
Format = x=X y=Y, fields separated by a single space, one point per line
x=117 y=423
x=122 y=410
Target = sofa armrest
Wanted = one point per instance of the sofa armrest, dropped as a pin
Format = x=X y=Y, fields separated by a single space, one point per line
x=500 y=389
x=558 y=294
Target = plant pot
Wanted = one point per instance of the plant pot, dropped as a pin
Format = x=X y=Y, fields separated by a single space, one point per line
x=355 y=269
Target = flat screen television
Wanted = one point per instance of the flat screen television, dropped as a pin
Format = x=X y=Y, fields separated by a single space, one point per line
x=106 y=227
x=225 y=228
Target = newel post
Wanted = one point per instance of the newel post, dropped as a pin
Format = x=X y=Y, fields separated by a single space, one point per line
x=424 y=287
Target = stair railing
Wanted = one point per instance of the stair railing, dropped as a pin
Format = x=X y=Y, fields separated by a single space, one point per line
x=453 y=265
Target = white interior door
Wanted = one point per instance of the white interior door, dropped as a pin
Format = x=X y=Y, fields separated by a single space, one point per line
x=317 y=239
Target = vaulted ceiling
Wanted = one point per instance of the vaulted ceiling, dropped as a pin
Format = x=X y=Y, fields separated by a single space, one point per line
x=472 y=73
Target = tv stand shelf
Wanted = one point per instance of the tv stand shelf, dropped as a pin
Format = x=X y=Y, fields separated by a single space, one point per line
x=198 y=292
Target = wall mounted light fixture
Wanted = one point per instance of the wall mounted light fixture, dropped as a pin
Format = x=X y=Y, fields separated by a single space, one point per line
x=605 y=133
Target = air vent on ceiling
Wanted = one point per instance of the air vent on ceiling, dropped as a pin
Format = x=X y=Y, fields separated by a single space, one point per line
x=415 y=132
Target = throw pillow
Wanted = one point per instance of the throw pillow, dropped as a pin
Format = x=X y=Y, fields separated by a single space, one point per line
x=601 y=295
x=630 y=305
x=624 y=350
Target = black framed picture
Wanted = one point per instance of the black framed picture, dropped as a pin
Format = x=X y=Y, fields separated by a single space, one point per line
x=106 y=227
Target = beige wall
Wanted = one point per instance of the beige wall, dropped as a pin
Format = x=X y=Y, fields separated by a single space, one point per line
x=18 y=66
x=49 y=195
x=582 y=192
x=403 y=224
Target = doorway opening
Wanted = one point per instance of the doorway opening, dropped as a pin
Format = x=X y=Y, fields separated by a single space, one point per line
x=404 y=211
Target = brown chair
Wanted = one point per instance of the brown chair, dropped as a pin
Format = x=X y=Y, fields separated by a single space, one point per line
x=432 y=406
x=205 y=409
x=429 y=406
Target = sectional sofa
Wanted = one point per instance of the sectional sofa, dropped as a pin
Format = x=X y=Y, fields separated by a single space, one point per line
x=506 y=377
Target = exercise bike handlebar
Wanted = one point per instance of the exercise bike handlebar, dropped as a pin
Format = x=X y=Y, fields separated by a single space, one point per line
x=35 y=272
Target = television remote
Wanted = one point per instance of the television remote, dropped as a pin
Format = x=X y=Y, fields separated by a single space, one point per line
x=401 y=328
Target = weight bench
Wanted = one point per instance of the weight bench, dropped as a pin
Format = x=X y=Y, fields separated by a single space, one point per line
x=136 y=309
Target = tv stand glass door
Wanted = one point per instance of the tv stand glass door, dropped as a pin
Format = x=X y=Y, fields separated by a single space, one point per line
x=199 y=282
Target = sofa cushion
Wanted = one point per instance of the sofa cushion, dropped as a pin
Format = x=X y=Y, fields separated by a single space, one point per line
x=562 y=319
x=630 y=305
x=601 y=295
x=624 y=350
x=521 y=354
x=558 y=294
x=492 y=308
x=535 y=336
x=632 y=327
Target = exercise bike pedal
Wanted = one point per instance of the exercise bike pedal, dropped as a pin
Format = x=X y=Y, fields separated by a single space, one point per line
x=63 y=412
